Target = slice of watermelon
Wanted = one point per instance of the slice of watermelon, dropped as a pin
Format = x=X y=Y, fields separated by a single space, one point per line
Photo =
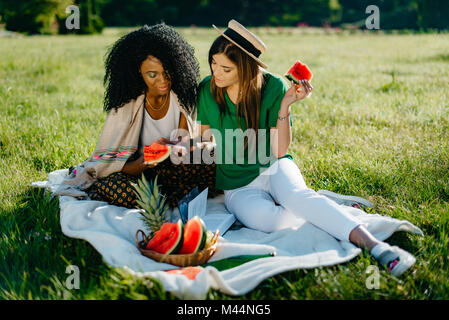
x=195 y=235
x=156 y=153
x=299 y=71
x=189 y=272
x=168 y=239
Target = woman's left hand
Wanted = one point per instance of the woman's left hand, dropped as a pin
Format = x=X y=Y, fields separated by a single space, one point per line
x=179 y=151
x=298 y=92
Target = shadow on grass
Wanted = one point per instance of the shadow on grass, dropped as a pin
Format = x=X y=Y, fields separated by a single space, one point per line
x=440 y=57
x=36 y=250
x=394 y=85
x=36 y=256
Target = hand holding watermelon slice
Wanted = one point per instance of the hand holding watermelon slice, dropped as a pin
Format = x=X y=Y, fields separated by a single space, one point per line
x=299 y=71
x=299 y=75
x=155 y=153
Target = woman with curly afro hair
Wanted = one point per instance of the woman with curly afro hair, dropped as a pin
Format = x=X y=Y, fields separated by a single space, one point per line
x=126 y=78
x=151 y=85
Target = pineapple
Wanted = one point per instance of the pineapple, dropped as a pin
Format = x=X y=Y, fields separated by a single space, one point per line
x=153 y=203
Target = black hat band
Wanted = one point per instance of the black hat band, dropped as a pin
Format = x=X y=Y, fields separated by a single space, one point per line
x=248 y=46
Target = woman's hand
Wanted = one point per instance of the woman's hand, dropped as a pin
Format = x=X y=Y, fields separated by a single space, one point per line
x=144 y=165
x=164 y=141
x=179 y=149
x=281 y=139
x=297 y=92
x=137 y=166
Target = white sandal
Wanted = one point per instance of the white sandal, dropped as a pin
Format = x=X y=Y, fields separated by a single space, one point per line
x=395 y=259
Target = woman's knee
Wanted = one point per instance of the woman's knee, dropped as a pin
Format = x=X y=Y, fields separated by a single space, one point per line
x=285 y=179
x=256 y=210
x=115 y=189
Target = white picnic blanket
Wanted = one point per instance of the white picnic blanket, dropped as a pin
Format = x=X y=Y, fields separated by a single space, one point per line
x=111 y=231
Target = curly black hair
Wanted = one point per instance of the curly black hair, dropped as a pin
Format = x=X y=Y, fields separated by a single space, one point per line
x=124 y=82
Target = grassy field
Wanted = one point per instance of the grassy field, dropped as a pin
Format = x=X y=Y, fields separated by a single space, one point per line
x=376 y=126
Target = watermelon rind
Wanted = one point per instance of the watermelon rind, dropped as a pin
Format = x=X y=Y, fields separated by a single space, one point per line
x=209 y=236
x=291 y=78
x=200 y=242
x=204 y=237
x=181 y=238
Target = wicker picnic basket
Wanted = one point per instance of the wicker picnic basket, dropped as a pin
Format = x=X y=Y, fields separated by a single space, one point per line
x=182 y=260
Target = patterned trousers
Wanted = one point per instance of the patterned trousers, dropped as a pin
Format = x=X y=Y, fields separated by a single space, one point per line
x=174 y=180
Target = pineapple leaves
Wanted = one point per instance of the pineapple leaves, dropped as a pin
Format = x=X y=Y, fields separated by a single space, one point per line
x=153 y=203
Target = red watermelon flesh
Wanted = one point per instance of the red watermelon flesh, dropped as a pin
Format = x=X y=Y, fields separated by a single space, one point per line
x=168 y=239
x=195 y=235
x=299 y=71
x=189 y=272
x=155 y=153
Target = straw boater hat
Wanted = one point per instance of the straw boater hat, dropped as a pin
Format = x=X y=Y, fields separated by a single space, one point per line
x=245 y=40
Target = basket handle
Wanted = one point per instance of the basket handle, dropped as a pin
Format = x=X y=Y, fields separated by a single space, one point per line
x=137 y=237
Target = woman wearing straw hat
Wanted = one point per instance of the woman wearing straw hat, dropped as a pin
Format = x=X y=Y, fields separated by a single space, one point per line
x=241 y=101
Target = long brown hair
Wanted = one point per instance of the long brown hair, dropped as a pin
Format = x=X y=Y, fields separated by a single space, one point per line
x=250 y=83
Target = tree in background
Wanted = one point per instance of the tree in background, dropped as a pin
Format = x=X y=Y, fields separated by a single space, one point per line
x=140 y=12
x=433 y=14
x=130 y=13
x=32 y=16
x=177 y=12
x=218 y=12
x=90 y=17
x=35 y=16
x=394 y=14
x=259 y=12
x=400 y=14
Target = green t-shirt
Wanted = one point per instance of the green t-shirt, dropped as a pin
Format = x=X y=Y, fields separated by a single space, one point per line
x=234 y=170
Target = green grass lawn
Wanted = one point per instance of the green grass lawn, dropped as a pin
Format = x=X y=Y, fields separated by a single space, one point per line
x=375 y=126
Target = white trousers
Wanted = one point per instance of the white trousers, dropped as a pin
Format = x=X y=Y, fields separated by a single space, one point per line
x=278 y=196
